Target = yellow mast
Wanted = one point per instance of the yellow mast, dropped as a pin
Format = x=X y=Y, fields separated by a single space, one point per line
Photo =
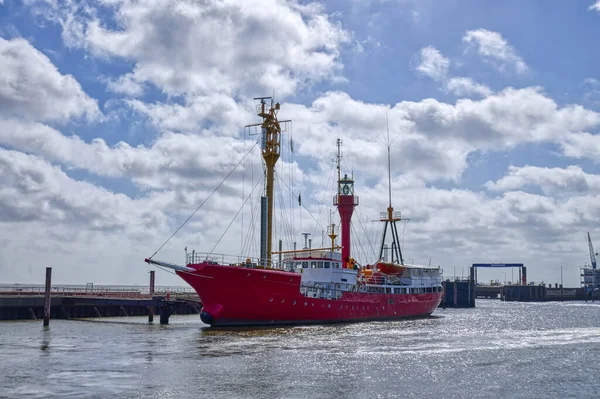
x=271 y=142
x=332 y=235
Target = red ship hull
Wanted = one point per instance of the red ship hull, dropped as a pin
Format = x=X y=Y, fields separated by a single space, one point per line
x=233 y=295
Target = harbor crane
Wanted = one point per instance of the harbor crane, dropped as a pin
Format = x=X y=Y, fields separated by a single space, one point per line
x=592 y=253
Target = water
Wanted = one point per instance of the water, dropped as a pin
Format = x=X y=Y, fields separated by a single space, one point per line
x=497 y=350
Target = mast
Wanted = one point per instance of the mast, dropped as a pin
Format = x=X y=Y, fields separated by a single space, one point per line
x=271 y=143
x=390 y=217
x=332 y=234
x=338 y=159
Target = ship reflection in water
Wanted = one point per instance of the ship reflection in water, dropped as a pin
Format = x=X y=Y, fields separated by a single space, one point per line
x=499 y=349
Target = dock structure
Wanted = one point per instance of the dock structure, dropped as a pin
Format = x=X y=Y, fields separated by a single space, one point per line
x=459 y=293
x=543 y=293
x=29 y=303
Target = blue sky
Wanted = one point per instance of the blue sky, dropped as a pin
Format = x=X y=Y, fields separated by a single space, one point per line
x=496 y=105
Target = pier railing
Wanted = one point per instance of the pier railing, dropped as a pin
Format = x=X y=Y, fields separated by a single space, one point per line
x=102 y=291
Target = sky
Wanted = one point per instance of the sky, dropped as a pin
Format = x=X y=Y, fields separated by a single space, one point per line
x=119 y=118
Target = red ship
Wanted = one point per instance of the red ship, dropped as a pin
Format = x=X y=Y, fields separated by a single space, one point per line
x=311 y=285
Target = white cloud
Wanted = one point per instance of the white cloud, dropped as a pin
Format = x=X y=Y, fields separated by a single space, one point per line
x=461 y=86
x=223 y=47
x=554 y=181
x=595 y=6
x=125 y=84
x=32 y=88
x=492 y=46
x=432 y=63
x=174 y=160
x=221 y=111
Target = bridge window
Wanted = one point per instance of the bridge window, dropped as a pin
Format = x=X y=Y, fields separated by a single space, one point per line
x=305 y=265
x=327 y=265
x=313 y=265
x=388 y=290
x=320 y=265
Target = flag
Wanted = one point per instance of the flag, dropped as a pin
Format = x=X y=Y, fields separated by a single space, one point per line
x=299 y=199
x=185 y=249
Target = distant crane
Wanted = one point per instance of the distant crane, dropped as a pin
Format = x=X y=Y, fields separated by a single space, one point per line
x=592 y=253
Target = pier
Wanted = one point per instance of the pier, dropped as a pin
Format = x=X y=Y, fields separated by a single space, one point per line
x=543 y=293
x=459 y=293
x=68 y=302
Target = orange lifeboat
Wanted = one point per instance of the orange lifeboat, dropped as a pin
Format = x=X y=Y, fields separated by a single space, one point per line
x=390 y=268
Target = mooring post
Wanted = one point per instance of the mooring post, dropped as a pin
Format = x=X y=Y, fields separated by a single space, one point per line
x=165 y=313
x=151 y=308
x=47 y=297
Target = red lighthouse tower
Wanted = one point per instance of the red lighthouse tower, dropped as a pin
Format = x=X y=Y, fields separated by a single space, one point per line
x=345 y=200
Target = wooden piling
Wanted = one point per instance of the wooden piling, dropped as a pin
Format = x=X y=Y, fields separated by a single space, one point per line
x=47 y=297
x=151 y=308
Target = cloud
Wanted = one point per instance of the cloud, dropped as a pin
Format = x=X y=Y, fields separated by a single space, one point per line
x=125 y=84
x=432 y=63
x=554 y=181
x=434 y=139
x=435 y=66
x=492 y=46
x=173 y=160
x=211 y=47
x=223 y=113
x=32 y=88
x=34 y=189
x=461 y=87
x=595 y=6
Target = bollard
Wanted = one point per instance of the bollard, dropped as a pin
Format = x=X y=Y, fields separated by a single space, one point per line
x=47 y=297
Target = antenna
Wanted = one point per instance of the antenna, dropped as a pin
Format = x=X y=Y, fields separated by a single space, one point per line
x=337 y=160
x=389 y=157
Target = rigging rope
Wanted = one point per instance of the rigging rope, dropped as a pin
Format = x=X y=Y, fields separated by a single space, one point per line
x=365 y=231
x=316 y=221
x=236 y=215
x=203 y=202
x=323 y=200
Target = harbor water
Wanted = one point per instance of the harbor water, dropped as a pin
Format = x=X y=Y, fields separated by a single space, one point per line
x=496 y=350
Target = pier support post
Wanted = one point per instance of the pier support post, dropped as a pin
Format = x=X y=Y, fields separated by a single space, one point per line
x=455 y=293
x=151 y=308
x=165 y=313
x=47 y=297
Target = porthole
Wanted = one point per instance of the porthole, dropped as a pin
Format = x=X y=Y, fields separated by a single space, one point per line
x=294 y=303
x=265 y=276
x=305 y=303
x=283 y=300
x=271 y=300
x=328 y=306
